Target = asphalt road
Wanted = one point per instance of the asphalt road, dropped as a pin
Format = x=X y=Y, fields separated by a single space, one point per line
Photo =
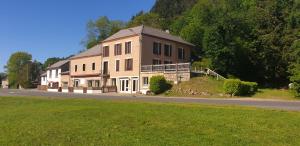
x=269 y=104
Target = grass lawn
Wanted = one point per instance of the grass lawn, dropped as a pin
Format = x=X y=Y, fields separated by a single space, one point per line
x=42 y=121
x=274 y=94
x=208 y=87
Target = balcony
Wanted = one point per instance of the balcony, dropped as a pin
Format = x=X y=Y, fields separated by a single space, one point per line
x=180 y=67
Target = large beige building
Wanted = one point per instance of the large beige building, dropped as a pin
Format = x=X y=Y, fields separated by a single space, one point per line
x=125 y=62
x=133 y=55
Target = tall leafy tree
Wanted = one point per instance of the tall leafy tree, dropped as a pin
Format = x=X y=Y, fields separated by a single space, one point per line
x=169 y=10
x=295 y=68
x=100 y=29
x=18 y=70
x=148 y=19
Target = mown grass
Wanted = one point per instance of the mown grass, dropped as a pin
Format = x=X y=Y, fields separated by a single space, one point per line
x=275 y=94
x=41 y=121
x=208 y=87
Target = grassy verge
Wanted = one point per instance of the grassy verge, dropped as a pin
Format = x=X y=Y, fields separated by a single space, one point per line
x=211 y=88
x=41 y=121
x=274 y=94
x=198 y=87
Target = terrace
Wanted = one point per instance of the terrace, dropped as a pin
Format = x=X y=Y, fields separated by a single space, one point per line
x=166 y=68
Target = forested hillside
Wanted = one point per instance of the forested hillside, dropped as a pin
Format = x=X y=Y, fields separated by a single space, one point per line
x=254 y=40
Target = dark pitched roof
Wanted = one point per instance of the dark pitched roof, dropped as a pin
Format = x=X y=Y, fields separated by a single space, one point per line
x=94 y=51
x=148 y=31
x=44 y=74
x=58 y=64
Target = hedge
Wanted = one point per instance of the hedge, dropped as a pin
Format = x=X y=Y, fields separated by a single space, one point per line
x=240 y=88
x=296 y=89
x=158 y=84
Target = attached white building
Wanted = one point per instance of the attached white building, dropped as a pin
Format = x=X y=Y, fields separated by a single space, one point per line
x=44 y=80
x=52 y=77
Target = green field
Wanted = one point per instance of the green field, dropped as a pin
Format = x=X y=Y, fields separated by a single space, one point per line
x=44 y=121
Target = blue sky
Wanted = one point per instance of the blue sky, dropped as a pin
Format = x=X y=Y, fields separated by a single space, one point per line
x=55 y=28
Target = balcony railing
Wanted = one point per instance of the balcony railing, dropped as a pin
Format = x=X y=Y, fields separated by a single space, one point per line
x=180 y=67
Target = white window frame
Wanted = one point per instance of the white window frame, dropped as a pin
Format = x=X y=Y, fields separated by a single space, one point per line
x=145 y=85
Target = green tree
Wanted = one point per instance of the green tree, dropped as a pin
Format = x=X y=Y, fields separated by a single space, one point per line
x=148 y=19
x=169 y=10
x=18 y=70
x=100 y=29
x=295 y=68
x=49 y=62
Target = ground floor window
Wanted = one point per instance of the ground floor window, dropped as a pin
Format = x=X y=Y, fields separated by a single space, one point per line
x=93 y=83
x=90 y=83
x=97 y=83
x=145 y=81
x=76 y=83
x=113 y=82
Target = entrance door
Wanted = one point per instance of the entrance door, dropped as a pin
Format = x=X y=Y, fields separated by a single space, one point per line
x=135 y=85
x=124 y=85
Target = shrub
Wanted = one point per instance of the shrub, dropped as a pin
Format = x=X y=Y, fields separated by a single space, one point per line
x=232 y=86
x=158 y=84
x=296 y=89
x=238 y=87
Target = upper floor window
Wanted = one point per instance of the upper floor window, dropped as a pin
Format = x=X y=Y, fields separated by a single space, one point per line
x=56 y=73
x=93 y=66
x=156 y=61
x=181 y=54
x=117 y=65
x=75 y=68
x=128 y=64
x=156 y=48
x=168 y=50
x=83 y=67
x=105 y=51
x=127 y=47
x=118 y=49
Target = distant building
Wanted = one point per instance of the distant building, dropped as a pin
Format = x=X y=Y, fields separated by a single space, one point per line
x=56 y=76
x=5 y=83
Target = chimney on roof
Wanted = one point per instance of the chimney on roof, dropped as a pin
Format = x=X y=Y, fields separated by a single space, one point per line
x=167 y=31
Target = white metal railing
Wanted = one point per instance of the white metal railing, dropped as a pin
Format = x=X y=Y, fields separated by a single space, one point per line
x=180 y=67
x=208 y=71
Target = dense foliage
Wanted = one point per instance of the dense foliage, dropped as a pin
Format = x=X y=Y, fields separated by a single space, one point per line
x=18 y=70
x=148 y=19
x=248 y=39
x=158 y=84
x=100 y=29
x=169 y=10
x=295 y=68
x=237 y=87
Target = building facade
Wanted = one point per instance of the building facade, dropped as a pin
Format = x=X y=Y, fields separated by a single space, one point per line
x=124 y=63
x=53 y=79
x=85 y=71
x=127 y=52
